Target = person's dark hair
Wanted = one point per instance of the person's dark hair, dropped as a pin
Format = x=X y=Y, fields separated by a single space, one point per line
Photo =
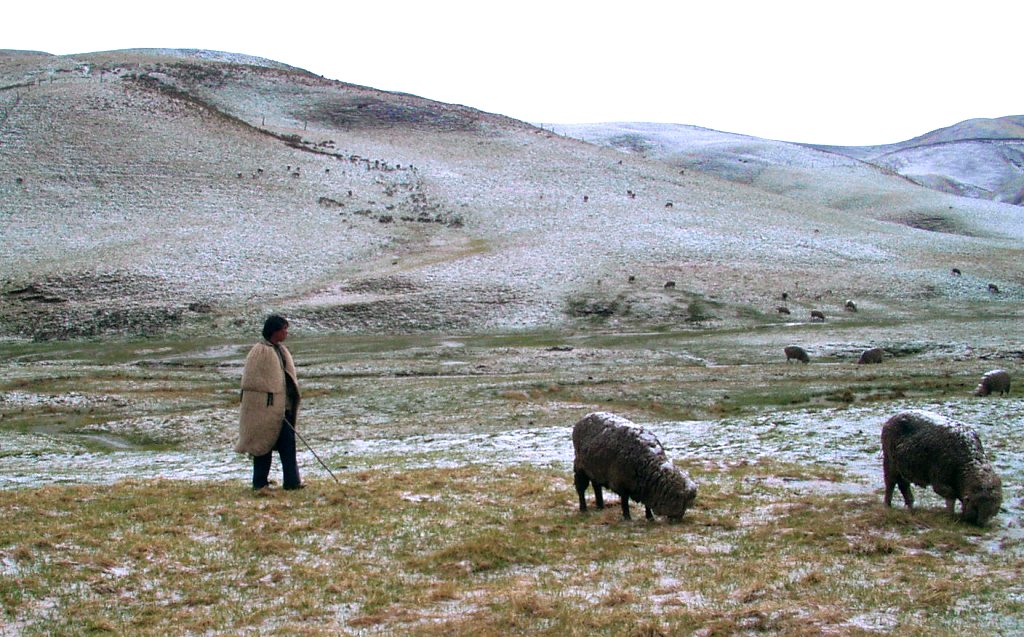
x=272 y=324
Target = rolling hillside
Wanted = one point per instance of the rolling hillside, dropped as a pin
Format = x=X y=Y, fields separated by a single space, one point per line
x=980 y=158
x=154 y=190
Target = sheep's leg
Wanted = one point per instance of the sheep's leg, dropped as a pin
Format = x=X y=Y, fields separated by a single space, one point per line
x=624 y=498
x=890 y=484
x=598 y=496
x=582 y=481
x=889 y=488
x=648 y=513
x=908 y=495
x=951 y=506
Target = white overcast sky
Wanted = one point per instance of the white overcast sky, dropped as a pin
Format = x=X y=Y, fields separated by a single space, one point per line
x=821 y=71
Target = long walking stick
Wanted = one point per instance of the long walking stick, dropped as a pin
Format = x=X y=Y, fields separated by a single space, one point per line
x=292 y=427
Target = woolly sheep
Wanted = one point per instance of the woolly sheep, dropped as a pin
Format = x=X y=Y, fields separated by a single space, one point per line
x=997 y=380
x=817 y=314
x=929 y=450
x=615 y=453
x=796 y=352
x=871 y=356
x=850 y=306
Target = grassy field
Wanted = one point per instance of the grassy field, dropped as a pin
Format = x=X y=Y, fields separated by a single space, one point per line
x=477 y=551
x=127 y=514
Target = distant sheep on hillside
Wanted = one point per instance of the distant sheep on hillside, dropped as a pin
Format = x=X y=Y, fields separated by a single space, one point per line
x=871 y=356
x=992 y=287
x=794 y=352
x=850 y=306
x=782 y=309
x=817 y=315
x=997 y=380
x=669 y=285
x=612 y=452
x=955 y=272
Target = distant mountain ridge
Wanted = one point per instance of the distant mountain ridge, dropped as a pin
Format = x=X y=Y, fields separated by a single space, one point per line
x=981 y=158
x=1010 y=127
x=978 y=158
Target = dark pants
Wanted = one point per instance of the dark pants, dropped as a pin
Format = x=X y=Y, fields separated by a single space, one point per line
x=285 y=447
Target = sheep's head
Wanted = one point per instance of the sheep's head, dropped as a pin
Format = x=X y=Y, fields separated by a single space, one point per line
x=677 y=494
x=983 y=497
x=982 y=389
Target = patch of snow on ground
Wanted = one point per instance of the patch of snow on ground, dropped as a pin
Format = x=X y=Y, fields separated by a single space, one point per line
x=847 y=439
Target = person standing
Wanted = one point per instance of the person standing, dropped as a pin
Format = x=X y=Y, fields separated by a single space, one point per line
x=270 y=407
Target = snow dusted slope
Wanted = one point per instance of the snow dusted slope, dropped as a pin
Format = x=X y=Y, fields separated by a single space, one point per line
x=863 y=181
x=146 y=191
x=980 y=158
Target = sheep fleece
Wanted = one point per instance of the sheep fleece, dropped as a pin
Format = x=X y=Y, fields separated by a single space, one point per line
x=796 y=352
x=929 y=450
x=615 y=453
x=996 y=381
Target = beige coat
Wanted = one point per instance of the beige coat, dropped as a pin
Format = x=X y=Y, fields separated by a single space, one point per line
x=264 y=397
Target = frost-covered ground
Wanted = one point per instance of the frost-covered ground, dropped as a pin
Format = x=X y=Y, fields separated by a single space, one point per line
x=845 y=438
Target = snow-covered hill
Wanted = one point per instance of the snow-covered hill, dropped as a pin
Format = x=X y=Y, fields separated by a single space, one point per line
x=153 y=190
x=980 y=158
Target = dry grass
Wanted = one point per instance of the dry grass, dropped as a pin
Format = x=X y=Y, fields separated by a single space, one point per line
x=472 y=551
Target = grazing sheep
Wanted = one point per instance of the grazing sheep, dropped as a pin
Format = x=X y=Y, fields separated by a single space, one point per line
x=798 y=353
x=850 y=306
x=817 y=315
x=669 y=285
x=615 y=453
x=997 y=380
x=871 y=356
x=783 y=309
x=929 y=450
x=955 y=272
x=992 y=287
